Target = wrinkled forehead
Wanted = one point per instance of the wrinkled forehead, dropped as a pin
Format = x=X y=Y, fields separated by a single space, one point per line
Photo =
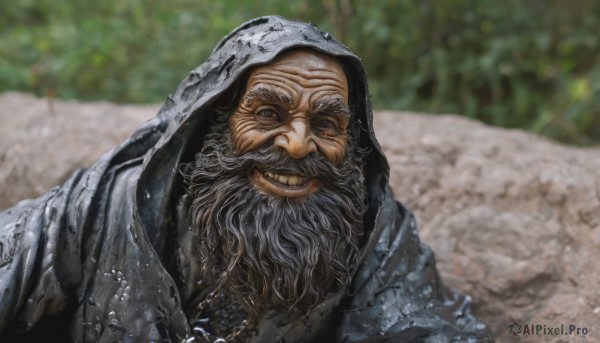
x=305 y=67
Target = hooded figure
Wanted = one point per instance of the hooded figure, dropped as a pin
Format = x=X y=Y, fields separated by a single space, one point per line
x=143 y=246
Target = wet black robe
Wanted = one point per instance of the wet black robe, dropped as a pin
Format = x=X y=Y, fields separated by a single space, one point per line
x=94 y=260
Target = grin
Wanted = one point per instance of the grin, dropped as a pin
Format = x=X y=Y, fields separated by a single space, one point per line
x=289 y=186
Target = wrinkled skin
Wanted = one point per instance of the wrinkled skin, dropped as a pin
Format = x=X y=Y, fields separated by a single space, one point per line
x=108 y=256
x=299 y=103
x=294 y=100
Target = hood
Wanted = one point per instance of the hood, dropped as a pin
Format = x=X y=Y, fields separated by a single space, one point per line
x=184 y=117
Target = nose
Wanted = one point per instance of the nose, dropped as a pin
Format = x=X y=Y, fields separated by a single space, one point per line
x=297 y=141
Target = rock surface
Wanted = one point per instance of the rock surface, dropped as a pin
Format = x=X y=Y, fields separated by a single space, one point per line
x=43 y=141
x=514 y=219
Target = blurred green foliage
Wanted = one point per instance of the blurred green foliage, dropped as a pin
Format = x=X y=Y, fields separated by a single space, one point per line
x=528 y=64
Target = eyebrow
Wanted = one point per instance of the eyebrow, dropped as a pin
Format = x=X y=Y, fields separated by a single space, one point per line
x=335 y=107
x=269 y=96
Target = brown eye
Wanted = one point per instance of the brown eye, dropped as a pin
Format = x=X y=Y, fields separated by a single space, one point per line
x=267 y=114
x=324 y=124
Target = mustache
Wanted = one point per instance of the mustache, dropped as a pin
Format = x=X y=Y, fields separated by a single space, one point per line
x=267 y=158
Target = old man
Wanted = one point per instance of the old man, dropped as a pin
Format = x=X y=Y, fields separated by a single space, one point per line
x=254 y=207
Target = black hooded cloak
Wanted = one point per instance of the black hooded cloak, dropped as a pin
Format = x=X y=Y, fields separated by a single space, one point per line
x=93 y=260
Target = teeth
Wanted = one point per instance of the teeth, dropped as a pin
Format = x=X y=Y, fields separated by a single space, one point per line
x=290 y=180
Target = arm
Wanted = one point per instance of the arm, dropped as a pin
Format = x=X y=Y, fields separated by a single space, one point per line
x=398 y=294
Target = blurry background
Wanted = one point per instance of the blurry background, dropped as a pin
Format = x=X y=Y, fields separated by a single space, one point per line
x=530 y=64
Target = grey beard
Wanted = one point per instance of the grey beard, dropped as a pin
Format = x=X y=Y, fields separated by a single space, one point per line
x=272 y=252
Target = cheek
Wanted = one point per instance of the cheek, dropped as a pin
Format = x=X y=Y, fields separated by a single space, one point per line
x=334 y=149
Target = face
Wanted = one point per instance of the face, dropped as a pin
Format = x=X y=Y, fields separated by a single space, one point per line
x=297 y=103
